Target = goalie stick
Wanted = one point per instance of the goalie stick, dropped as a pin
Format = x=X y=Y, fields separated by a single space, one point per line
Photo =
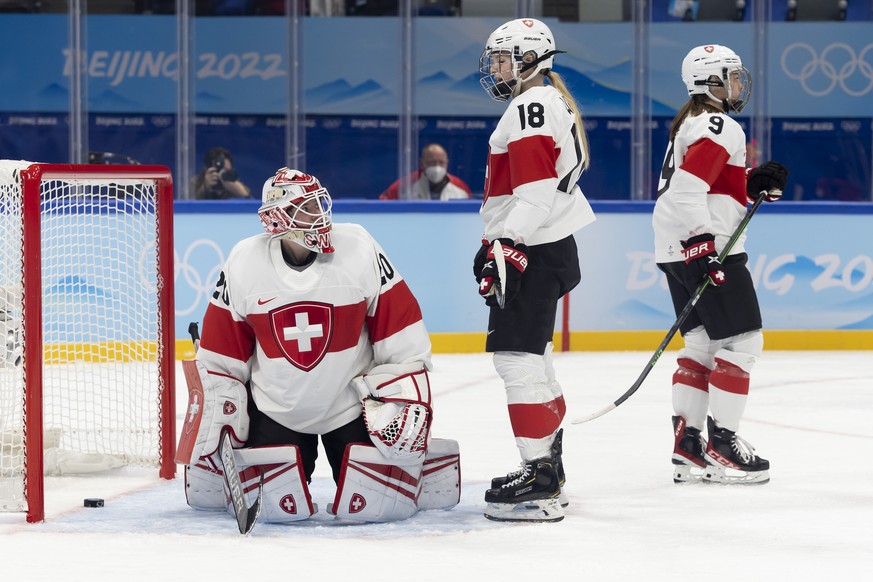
x=246 y=516
x=500 y=264
x=679 y=320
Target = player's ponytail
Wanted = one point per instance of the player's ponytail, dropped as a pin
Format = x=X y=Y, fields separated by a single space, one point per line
x=698 y=104
x=558 y=83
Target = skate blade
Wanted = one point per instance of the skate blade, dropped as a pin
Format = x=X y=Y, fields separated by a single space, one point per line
x=728 y=476
x=687 y=474
x=537 y=510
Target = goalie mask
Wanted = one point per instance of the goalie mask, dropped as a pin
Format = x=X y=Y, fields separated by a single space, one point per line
x=296 y=206
x=717 y=72
x=511 y=50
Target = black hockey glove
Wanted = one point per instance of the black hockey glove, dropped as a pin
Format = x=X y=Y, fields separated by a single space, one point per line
x=702 y=260
x=515 y=257
x=767 y=180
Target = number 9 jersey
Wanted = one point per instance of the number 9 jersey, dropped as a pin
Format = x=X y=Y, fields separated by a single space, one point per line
x=535 y=157
x=702 y=188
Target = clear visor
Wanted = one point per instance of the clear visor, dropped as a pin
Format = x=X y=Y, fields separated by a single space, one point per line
x=739 y=88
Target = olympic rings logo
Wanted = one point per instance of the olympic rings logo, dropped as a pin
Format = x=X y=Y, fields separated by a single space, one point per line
x=191 y=278
x=838 y=64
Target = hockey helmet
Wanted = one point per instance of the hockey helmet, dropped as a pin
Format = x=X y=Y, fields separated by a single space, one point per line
x=522 y=44
x=711 y=66
x=295 y=205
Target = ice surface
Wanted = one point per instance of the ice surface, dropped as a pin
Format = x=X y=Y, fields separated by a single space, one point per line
x=810 y=413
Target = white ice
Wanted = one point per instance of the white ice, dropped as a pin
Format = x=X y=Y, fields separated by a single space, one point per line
x=810 y=413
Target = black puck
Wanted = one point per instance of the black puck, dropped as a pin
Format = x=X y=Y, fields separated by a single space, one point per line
x=93 y=502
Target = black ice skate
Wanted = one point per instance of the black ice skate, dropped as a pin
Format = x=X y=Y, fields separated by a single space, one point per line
x=688 y=447
x=531 y=496
x=730 y=459
x=557 y=450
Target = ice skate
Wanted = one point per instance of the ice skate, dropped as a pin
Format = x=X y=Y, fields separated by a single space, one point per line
x=688 y=447
x=730 y=459
x=557 y=451
x=531 y=496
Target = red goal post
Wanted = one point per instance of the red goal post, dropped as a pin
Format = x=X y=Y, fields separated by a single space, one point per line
x=86 y=307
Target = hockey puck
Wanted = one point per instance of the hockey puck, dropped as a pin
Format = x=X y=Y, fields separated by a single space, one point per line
x=93 y=502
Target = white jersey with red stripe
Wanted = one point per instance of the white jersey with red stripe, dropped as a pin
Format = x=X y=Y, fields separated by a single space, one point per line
x=300 y=335
x=535 y=157
x=702 y=187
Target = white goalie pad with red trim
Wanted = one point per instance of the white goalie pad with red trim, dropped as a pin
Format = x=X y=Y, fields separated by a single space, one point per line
x=214 y=401
x=441 y=475
x=375 y=489
x=397 y=409
x=286 y=495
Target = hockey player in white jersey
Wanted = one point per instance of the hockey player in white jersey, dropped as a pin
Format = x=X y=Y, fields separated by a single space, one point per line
x=307 y=322
x=703 y=192
x=528 y=258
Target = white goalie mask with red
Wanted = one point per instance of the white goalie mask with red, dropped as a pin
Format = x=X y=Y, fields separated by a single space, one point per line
x=295 y=206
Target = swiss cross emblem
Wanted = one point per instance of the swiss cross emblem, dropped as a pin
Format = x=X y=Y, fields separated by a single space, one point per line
x=357 y=503
x=303 y=332
x=288 y=505
x=229 y=407
x=709 y=48
x=527 y=22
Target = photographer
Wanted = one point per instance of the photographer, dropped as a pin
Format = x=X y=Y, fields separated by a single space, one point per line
x=218 y=180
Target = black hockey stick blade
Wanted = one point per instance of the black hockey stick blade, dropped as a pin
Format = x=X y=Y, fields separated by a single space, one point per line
x=500 y=264
x=686 y=311
x=246 y=516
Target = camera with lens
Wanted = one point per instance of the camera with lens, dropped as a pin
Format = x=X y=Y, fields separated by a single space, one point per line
x=229 y=175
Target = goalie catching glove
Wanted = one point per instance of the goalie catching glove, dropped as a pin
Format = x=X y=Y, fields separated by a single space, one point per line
x=397 y=409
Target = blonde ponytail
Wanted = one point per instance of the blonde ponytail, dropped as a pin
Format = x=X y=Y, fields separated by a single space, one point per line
x=558 y=83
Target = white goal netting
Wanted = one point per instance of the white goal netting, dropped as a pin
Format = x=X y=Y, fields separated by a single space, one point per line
x=100 y=331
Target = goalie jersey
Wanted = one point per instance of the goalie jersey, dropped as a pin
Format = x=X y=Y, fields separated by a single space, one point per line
x=702 y=187
x=299 y=336
x=535 y=157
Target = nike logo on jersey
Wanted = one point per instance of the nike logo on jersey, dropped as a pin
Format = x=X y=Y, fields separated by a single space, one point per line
x=265 y=301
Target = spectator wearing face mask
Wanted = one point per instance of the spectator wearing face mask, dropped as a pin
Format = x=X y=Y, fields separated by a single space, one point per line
x=431 y=181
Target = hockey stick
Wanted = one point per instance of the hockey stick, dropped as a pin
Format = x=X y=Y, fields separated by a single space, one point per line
x=194 y=332
x=679 y=320
x=500 y=264
x=246 y=516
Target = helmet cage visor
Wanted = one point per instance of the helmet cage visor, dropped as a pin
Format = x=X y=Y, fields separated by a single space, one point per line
x=499 y=71
x=306 y=219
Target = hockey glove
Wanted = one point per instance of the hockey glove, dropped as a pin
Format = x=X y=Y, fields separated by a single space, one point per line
x=702 y=260
x=767 y=180
x=515 y=256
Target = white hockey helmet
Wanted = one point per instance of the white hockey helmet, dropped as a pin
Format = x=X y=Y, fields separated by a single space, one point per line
x=295 y=205
x=713 y=65
x=530 y=45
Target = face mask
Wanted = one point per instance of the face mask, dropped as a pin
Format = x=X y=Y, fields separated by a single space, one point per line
x=435 y=173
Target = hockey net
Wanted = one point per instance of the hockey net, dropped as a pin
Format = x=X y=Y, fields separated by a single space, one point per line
x=86 y=312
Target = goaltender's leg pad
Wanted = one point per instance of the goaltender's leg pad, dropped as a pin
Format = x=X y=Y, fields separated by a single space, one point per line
x=204 y=484
x=374 y=489
x=286 y=495
x=441 y=476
